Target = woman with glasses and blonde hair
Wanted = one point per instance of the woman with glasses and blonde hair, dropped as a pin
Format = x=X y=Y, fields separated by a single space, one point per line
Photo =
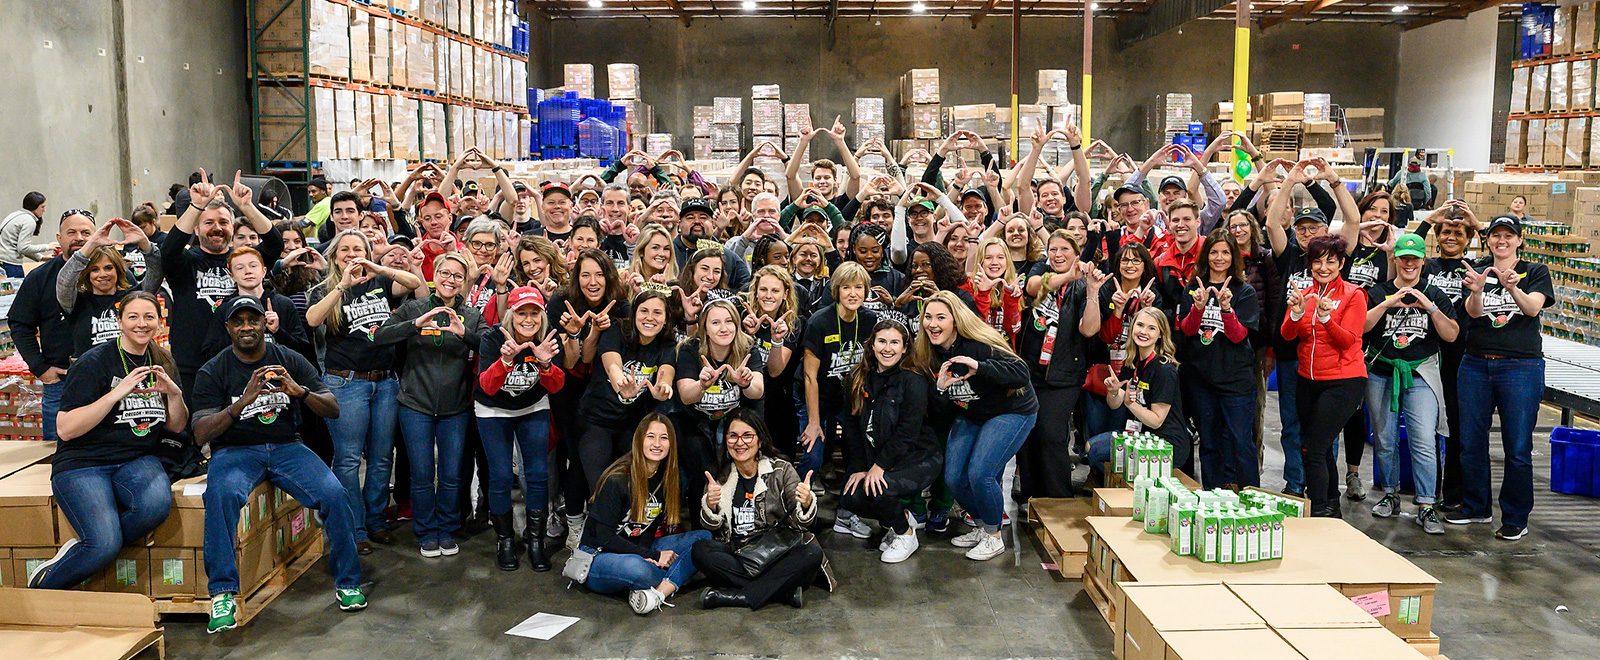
x=750 y=494
x=975 y=371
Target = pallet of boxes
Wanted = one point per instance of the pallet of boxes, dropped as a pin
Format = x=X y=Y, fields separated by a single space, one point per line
x=21 y=394
x=766 y=127
x=277 y=541
x=1278 y=127
x=867 y=115
x=1210 y=541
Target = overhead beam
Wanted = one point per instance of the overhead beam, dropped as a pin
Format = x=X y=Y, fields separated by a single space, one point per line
x=1163 y=17
x=983 y=12
x=1456 y=12
x=675 y=6
x=1305 y=9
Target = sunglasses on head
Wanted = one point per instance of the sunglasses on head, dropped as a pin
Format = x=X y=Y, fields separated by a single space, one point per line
x=72 y=212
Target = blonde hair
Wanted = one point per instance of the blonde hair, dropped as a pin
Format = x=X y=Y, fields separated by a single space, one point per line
x=649 y=232
x=967 y=325
x=336 y=273
x=467 y=269
x=788 y=308
x=849 y=272
x=741 y=340
x=1164 y=348
x=1010 y=272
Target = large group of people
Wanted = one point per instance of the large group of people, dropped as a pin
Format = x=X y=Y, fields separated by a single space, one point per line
x=676 y=372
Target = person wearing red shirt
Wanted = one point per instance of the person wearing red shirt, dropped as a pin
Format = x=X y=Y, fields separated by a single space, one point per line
x=1176 y=259
x=435 y=216
x=1328 y=318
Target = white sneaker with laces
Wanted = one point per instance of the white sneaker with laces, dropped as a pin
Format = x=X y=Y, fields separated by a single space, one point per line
x=969 y=539
x=900 y=547
x=645 y=601
x=988 y=547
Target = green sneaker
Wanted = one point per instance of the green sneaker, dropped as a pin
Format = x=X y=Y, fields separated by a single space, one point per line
x=224 y=614
x=350 y=599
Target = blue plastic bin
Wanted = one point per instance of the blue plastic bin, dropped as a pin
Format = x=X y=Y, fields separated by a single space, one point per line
x=1575 y=461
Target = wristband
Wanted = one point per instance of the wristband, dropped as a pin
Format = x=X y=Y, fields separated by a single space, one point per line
x=197 y=207
x=497 y=169
x=1076 y=147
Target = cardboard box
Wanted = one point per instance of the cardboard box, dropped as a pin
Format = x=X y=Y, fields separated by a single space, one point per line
x=1583 y=29
x=24 y=560
x=18 y=454
x=622 y=81
x=1054 y=85
x=1260 y=644
x=919 y=86
x=1577 y=145
x=257 y=558
x=1339 y=643
x=1580 y=88
x=1112 y=502
x=1066 y=533
x=1285 y=606
x=128 y=573
x=7 y=576
x=40 y=623
x=1275 y=106
x=1539 y=88
x=27 y=509
x=1561 y=33
x=1153 y=611
x=1519 y=89
x=920 y=121
x=1560 y=73
x=175 y=572
x=186 y=524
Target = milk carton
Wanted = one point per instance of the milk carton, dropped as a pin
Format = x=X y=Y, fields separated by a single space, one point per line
x=1155 y=510
x=1141 y=496
x=1181 y=524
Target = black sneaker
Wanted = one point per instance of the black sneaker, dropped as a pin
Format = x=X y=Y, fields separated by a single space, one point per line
x=1461 y=518
x=1510 y=532
x=1448 y=507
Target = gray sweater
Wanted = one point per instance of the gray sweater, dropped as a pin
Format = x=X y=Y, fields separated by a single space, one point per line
x=437 y=377
x=16 y=233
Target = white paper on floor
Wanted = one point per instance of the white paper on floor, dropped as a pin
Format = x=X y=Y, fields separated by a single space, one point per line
x=542 y=626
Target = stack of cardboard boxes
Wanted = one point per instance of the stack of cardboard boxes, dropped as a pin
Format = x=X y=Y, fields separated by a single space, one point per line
x=1290 y=621
x=868 y=116
x=622 y=88
x=796 y=119
x=727 y=128
x=701 y=124
x=919 y=104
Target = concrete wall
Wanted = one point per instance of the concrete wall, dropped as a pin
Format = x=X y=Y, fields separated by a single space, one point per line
x=106 y=114
x=682 y=67
x=1446 y=93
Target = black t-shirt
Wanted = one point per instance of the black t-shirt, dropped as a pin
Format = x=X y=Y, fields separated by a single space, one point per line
x=94 y=320
x=1070 y=352
x=721 y=396
x=1209 y=355
x=523 y=386
x=273 y=417
x=129 y=431
x=1158 y=383
x=913 y=308
x=1001 y=384
x=743 y=520
x=1108 y=352
x=1293 y=273
x=839 y=346
x=892 y=281
x=1503 y=329
x=1446 y=275
x=601 y=404
x=199 y=282
x=1404 y=333
x=761 y=346
x=1366 y=266
x=362 y=309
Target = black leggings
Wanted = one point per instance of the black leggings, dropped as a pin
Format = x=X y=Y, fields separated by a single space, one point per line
x=1323 y=406
x=598 y=447
x=1045 y=462
x=902 y=482
x=797 y=568
x=1355 y=437
x=1450 y=484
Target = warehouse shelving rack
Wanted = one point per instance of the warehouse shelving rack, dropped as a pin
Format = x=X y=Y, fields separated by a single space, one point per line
x=291 y=158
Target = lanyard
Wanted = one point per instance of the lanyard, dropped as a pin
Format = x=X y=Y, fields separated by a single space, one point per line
x=122 y=355
x=838 y=327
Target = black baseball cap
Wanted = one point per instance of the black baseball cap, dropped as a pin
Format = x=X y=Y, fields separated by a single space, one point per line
x=401 y=239
x=240 y=303
x=519 y=186
x=1173 y=181
x=470 y=188
x=1309 y=213
x=1507 y=221
x=695 y=204
x=1126 y=188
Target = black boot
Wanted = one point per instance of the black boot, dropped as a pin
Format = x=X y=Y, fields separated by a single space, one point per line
x=479 y=519
x=505 y=539
x=713 y=598
x=797 y=599
x=533 y=535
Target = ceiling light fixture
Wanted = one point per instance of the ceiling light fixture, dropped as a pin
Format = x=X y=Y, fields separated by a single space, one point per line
x=594 y=4
x=749 y=5
x=1095 y=6
x=1400 y=9
x=918 y=8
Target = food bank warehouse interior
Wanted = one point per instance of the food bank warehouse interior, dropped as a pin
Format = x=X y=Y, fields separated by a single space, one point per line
x=799 y=328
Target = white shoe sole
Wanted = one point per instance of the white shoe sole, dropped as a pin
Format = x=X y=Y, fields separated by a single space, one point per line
x=975 y=555
x=1467 y=521
x=862 y=533
x=430 y=554
x=39 y=571
x=227 y=627
x=964 y=541
x=449 y=551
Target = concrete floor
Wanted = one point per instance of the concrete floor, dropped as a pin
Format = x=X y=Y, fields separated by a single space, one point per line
x=1497 y=600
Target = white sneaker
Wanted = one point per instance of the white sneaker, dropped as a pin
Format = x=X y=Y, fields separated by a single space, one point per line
x=37 y=574
x=888 y=539
x=645 y=601
x=900 y=547
x=574 y=531
x=988 y=547
x=970 y=539
x=852 y=526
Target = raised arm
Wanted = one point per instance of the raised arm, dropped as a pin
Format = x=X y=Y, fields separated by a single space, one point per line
x=846 y=156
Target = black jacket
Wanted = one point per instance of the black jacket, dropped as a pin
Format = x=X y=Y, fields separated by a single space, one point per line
x=893 y=429
x=1000 y=386
x=38 y=328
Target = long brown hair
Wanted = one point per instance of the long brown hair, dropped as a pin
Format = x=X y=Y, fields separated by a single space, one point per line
x=869 y=361
x=159 y=356
x=632 y=467
x=555 y=265
x=108 y=253
x=1219 y=236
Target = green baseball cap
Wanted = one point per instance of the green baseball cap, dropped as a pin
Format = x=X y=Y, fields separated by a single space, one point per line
x=1410 y=245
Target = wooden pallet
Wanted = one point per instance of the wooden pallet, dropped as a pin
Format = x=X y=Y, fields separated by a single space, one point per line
x=1425 y=645
x=1062 y=517
x=1101 y=600
x=257 y=601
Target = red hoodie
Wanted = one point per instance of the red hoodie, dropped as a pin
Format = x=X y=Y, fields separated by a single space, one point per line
x=1330 y=350
x=1005 y=317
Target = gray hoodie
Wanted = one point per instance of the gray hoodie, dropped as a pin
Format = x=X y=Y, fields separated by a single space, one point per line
x=436 y=376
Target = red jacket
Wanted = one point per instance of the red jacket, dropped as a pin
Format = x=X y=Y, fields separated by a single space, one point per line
x=1005 y=317
x=1177 y=263
x=1331 y=350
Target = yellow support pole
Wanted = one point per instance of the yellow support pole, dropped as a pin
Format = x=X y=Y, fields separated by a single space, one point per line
x=1241 y=79
x=1088 y=74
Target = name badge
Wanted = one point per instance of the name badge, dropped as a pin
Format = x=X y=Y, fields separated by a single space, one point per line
x=830 y=339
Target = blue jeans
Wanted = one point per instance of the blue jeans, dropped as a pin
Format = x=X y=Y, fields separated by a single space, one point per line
x=1227 y=425
x=1515 y=387
x=831 y=419
x=614 y=572
x=364 y=430
x=108 y=505
x=235 y=471
x=1294 y=474
x=531 y=434
x=974 y=457
x=435 y=510
x=1421 y=409
x=1099 y=417
x=50 y=406
x=12 y=270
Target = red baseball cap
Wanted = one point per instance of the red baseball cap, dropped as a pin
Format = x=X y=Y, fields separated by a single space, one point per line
x=434 y=196
x=523 y=296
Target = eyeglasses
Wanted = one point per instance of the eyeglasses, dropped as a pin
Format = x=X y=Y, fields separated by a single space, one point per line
x=1239 y=228
x=443 y=275
x=72 y=212
x=742 y=438
x=1131 y=260
x=480 y=246
x=1138 y=202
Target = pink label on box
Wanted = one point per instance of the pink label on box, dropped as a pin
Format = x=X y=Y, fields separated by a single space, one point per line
x=297 y=524
x=1375 y=603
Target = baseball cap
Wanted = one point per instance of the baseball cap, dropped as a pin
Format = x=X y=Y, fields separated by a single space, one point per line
x=1508 y=221
x=695 y=204
x=554 y=186
x=378 y=206
x=401 y=239
x=1127 y=188
x=927 y=204
x=523 y=296
x=240 y=303
x=1309 y=213
x=519 y=186
x=434 y=196
x=1173 y=181
x=974 y=191
x=588 y=192
x=1410 y=245
x=470 y=188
